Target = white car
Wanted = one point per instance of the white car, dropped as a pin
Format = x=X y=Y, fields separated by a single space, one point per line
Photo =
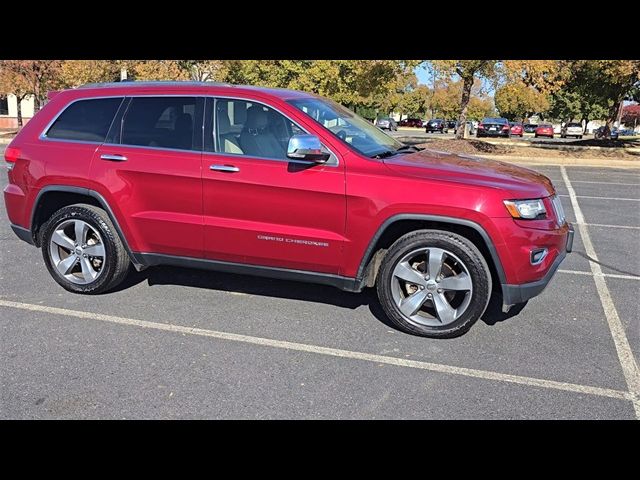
x=571 y=130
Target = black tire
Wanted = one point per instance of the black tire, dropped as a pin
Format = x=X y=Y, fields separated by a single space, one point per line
x=579 y=137
x=466 y=251
x=116 y=260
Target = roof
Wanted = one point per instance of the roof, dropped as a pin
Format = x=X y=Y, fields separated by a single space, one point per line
x=276 y=92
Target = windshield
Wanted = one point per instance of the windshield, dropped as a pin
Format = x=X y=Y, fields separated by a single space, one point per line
x=347 y=126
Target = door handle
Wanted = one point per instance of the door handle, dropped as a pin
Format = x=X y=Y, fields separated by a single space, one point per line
x=114 y=158
x=224 y=168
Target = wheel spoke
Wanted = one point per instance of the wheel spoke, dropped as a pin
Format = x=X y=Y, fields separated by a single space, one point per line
x=60 y=238
x=462 y=281
x=408 y=274
x=446 y=313
x=81 y=231
x=411 y=304
x=96 y=250
x=88 y=272
x=436 y=257
x=65 y=266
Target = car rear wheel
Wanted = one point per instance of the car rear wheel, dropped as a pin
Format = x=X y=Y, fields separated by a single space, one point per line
x=434 y=283
x=83 y=251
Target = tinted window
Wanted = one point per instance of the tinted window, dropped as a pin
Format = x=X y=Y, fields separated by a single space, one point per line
x=574 y=125
x=165 y=122
x=85 y=120
x=496 y=120
x=252 y=129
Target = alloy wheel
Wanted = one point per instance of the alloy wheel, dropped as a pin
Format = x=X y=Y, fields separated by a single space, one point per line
x=77 y=251
x=431 y=287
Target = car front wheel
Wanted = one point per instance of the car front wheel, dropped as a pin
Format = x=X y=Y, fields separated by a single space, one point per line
x=434 y=283
x=83 y=251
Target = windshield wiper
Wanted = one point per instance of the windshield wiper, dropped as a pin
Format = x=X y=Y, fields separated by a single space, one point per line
x=408 y=147
x=384 y=154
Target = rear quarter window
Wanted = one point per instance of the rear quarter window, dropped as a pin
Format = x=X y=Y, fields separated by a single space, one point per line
x=85 y=120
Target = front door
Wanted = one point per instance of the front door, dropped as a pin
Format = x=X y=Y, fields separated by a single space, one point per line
x=151 y=164
x=260 y=208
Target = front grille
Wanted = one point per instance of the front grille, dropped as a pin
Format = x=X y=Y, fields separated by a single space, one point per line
x=557 y=208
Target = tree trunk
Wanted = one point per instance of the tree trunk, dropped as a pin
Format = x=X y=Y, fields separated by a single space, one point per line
x=464 y=103
x=19 y=111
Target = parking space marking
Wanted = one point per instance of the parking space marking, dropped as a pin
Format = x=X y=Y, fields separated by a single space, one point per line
x=601 y=198
x=620 y=340
x=611 y=226
x=607 y=183
x=591 y=274
x=333 y=352
x=589 y=172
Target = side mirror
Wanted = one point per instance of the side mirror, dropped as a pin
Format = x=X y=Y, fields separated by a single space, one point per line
x=307 y=148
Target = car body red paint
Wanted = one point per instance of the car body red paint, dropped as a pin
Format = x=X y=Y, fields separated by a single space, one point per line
x=321 y=219
x=544 y=131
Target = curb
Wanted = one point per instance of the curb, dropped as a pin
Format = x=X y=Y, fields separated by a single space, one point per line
x=577 y=162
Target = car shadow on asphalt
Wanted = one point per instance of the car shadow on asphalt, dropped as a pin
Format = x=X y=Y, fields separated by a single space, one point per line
x=267 y=287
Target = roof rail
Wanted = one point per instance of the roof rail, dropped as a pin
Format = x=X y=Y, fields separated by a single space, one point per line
x=154 y=83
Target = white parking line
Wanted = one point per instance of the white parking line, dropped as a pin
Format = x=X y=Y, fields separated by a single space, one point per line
x=611 y=226
x=584 y=172
x=620 y=340
x=607 y=183
x=591 y=274
x=601 y=198
x=333 y=352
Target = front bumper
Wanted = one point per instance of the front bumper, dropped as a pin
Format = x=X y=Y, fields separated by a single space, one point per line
x=514 y=294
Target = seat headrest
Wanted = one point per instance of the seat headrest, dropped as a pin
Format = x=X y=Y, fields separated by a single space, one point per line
x=256 y=118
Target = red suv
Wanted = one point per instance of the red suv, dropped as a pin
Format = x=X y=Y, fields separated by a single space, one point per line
x=281 y=184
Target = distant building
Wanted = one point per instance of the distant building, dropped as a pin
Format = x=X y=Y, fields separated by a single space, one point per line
x=9 y=110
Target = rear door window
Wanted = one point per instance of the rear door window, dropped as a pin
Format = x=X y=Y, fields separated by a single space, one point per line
x=163 y=122
x=85 y=120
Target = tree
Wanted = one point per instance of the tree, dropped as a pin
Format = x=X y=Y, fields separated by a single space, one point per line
x=468 y=71
x=631 y=115
x=479 y=108
x=156 y=70
x=74 y=73
x=516 y=100
x=13 y=84
x=604 y=84
x=36 y=76
x=205 y=70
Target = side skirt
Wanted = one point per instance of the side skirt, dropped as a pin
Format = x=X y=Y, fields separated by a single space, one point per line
x=343 y=283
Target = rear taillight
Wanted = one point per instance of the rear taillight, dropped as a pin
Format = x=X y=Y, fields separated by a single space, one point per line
x=11 y=155
x=480 y=125
x=506 y=127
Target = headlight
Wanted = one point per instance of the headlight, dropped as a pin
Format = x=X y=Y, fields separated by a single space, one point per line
x=527 y=209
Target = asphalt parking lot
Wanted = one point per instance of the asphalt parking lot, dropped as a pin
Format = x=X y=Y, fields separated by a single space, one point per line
x=177 y=343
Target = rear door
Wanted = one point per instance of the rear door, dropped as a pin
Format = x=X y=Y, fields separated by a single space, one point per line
x=151 y=165
x=260 y=207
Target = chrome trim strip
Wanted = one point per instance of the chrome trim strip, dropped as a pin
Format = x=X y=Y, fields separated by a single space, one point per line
x=166 y=149
x=43 y=135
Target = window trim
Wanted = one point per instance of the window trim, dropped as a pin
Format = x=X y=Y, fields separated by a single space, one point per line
x=215 y=98
x=45 y=131
x=207 y=98
x=6 y=99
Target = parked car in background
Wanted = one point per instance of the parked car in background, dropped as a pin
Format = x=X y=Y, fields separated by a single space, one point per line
x=452 y=124
x=627 y=132
x=517 y=129
x=436 y=125
x=544 y=130
x=386 y=123
x=470 y=127
x=571 y=130
x=411 y=122
x=529 y=127
x=494 y=127
x=599 y=133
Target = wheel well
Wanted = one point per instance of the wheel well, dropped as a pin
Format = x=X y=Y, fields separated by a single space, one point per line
x=51 y=202
x=401 y=227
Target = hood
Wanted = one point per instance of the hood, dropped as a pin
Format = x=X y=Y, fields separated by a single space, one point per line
x=519 y=182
